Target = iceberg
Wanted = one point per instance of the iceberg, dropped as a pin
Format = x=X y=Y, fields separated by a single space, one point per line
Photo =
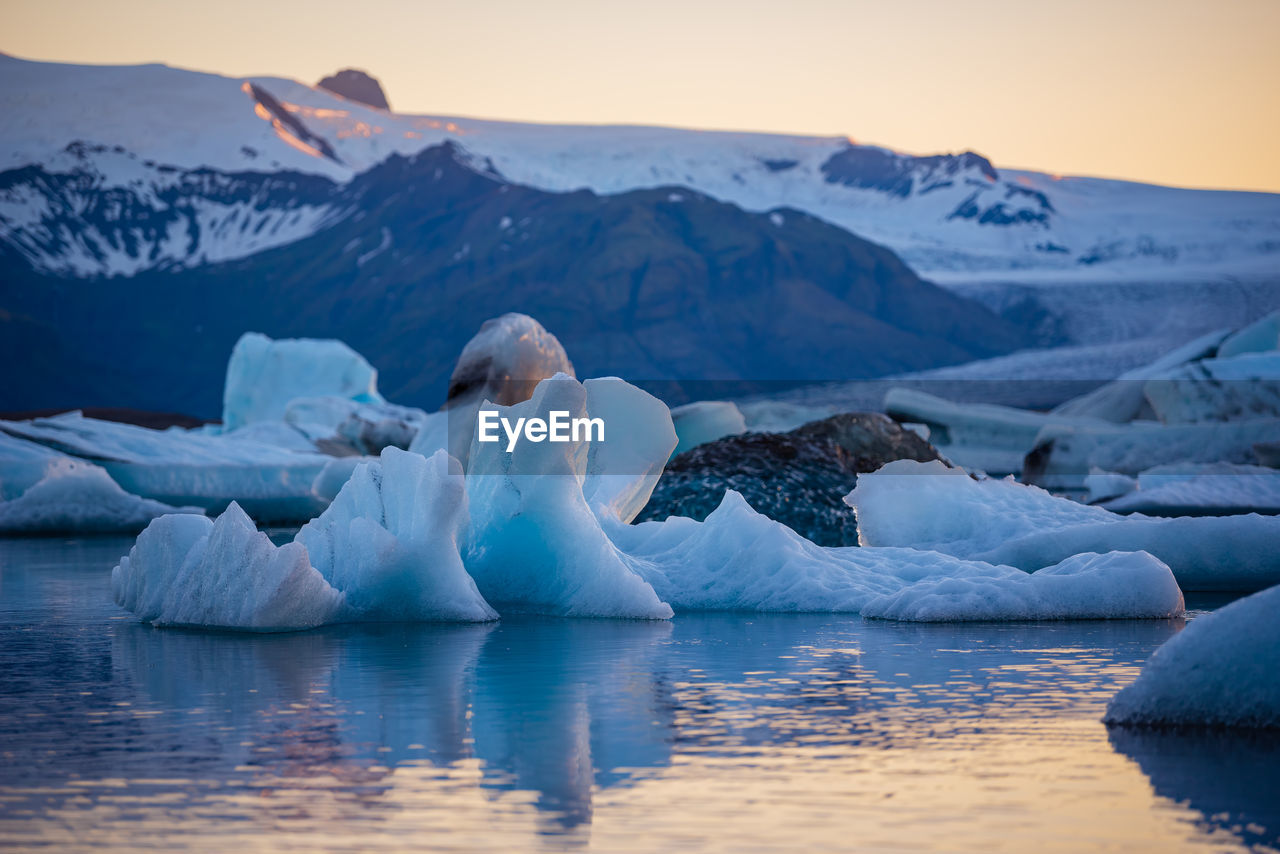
x=503 y=364
x=983 y=436
x=187 y=468
x=705 y=421
x=1218 y=672
x=1206 y=489
x=741 y=560
x=535 y=542
x=191 y=571
x=263 y=376
x=342 y=426
x=933 y=507
x=23 y=464
x=77 y=497
x=1258 y=337
x=1065 y=454
x=1234 y=389
x=1124 y=398
x=386 y=549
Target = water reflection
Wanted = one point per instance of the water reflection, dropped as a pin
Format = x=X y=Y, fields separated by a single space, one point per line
x=1231 y=779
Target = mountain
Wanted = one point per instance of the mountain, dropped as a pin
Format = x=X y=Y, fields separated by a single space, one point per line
x=956 y=218
x=358 y=86
x=415 y=253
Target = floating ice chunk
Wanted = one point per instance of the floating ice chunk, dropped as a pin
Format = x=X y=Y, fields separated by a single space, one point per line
x=1219 y=671
x=928 y=506
x=982 y=436
x=502 y=364
x=389 y=541
x=705 y=421
x=779 y=416
x=535 y=544
x=1209 y=489
x=1085 y=586
x=1123 y=398
x=263 y=376
x=1245 y=386
x=623 y=470
x=1257 y=337
x=80 y=498
x=185 y=468
x=1065 y=454
x=189 y=571
x=23 y=464
x=506 y=360
x=739 y=559
x=1102 y=485
x=386 y=549
x=275 y=433
x=339 y=424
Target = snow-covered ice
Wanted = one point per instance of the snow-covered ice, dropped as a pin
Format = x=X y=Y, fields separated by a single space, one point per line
x=930 y=506
x=1220 y=671
x=386 y=549
x=80 y=498
x=263 y=376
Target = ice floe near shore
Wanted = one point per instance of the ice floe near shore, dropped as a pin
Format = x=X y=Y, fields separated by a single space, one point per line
x=386 y=549
x=1218 y=672
x=930 y=506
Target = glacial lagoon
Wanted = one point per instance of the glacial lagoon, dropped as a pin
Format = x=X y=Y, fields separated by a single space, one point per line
x=707 y=732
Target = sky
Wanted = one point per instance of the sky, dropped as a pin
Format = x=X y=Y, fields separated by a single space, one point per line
x=1182 y=92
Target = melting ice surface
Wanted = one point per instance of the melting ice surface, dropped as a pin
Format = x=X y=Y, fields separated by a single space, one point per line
x=708 y=732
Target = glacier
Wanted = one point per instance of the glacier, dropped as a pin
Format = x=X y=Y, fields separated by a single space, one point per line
x=930 y=506
x=1217 y=672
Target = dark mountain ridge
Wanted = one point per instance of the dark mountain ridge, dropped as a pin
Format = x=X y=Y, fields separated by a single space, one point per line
x=652 y=285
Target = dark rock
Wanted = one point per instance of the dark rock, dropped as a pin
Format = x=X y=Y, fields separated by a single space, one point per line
x=799 y=478
x=356 y=85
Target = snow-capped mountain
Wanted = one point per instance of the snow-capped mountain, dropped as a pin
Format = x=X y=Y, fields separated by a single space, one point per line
x=119 y=169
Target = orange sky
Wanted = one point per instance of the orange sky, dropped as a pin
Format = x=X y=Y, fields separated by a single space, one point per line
x=1181 y=92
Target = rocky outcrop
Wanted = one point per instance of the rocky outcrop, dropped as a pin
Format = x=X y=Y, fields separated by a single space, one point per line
x=356 y=85
x=798 y=478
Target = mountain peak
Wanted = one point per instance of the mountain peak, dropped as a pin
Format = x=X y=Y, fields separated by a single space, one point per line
x=356 y=85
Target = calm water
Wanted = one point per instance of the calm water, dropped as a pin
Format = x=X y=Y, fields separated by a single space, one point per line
x=727 y=732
